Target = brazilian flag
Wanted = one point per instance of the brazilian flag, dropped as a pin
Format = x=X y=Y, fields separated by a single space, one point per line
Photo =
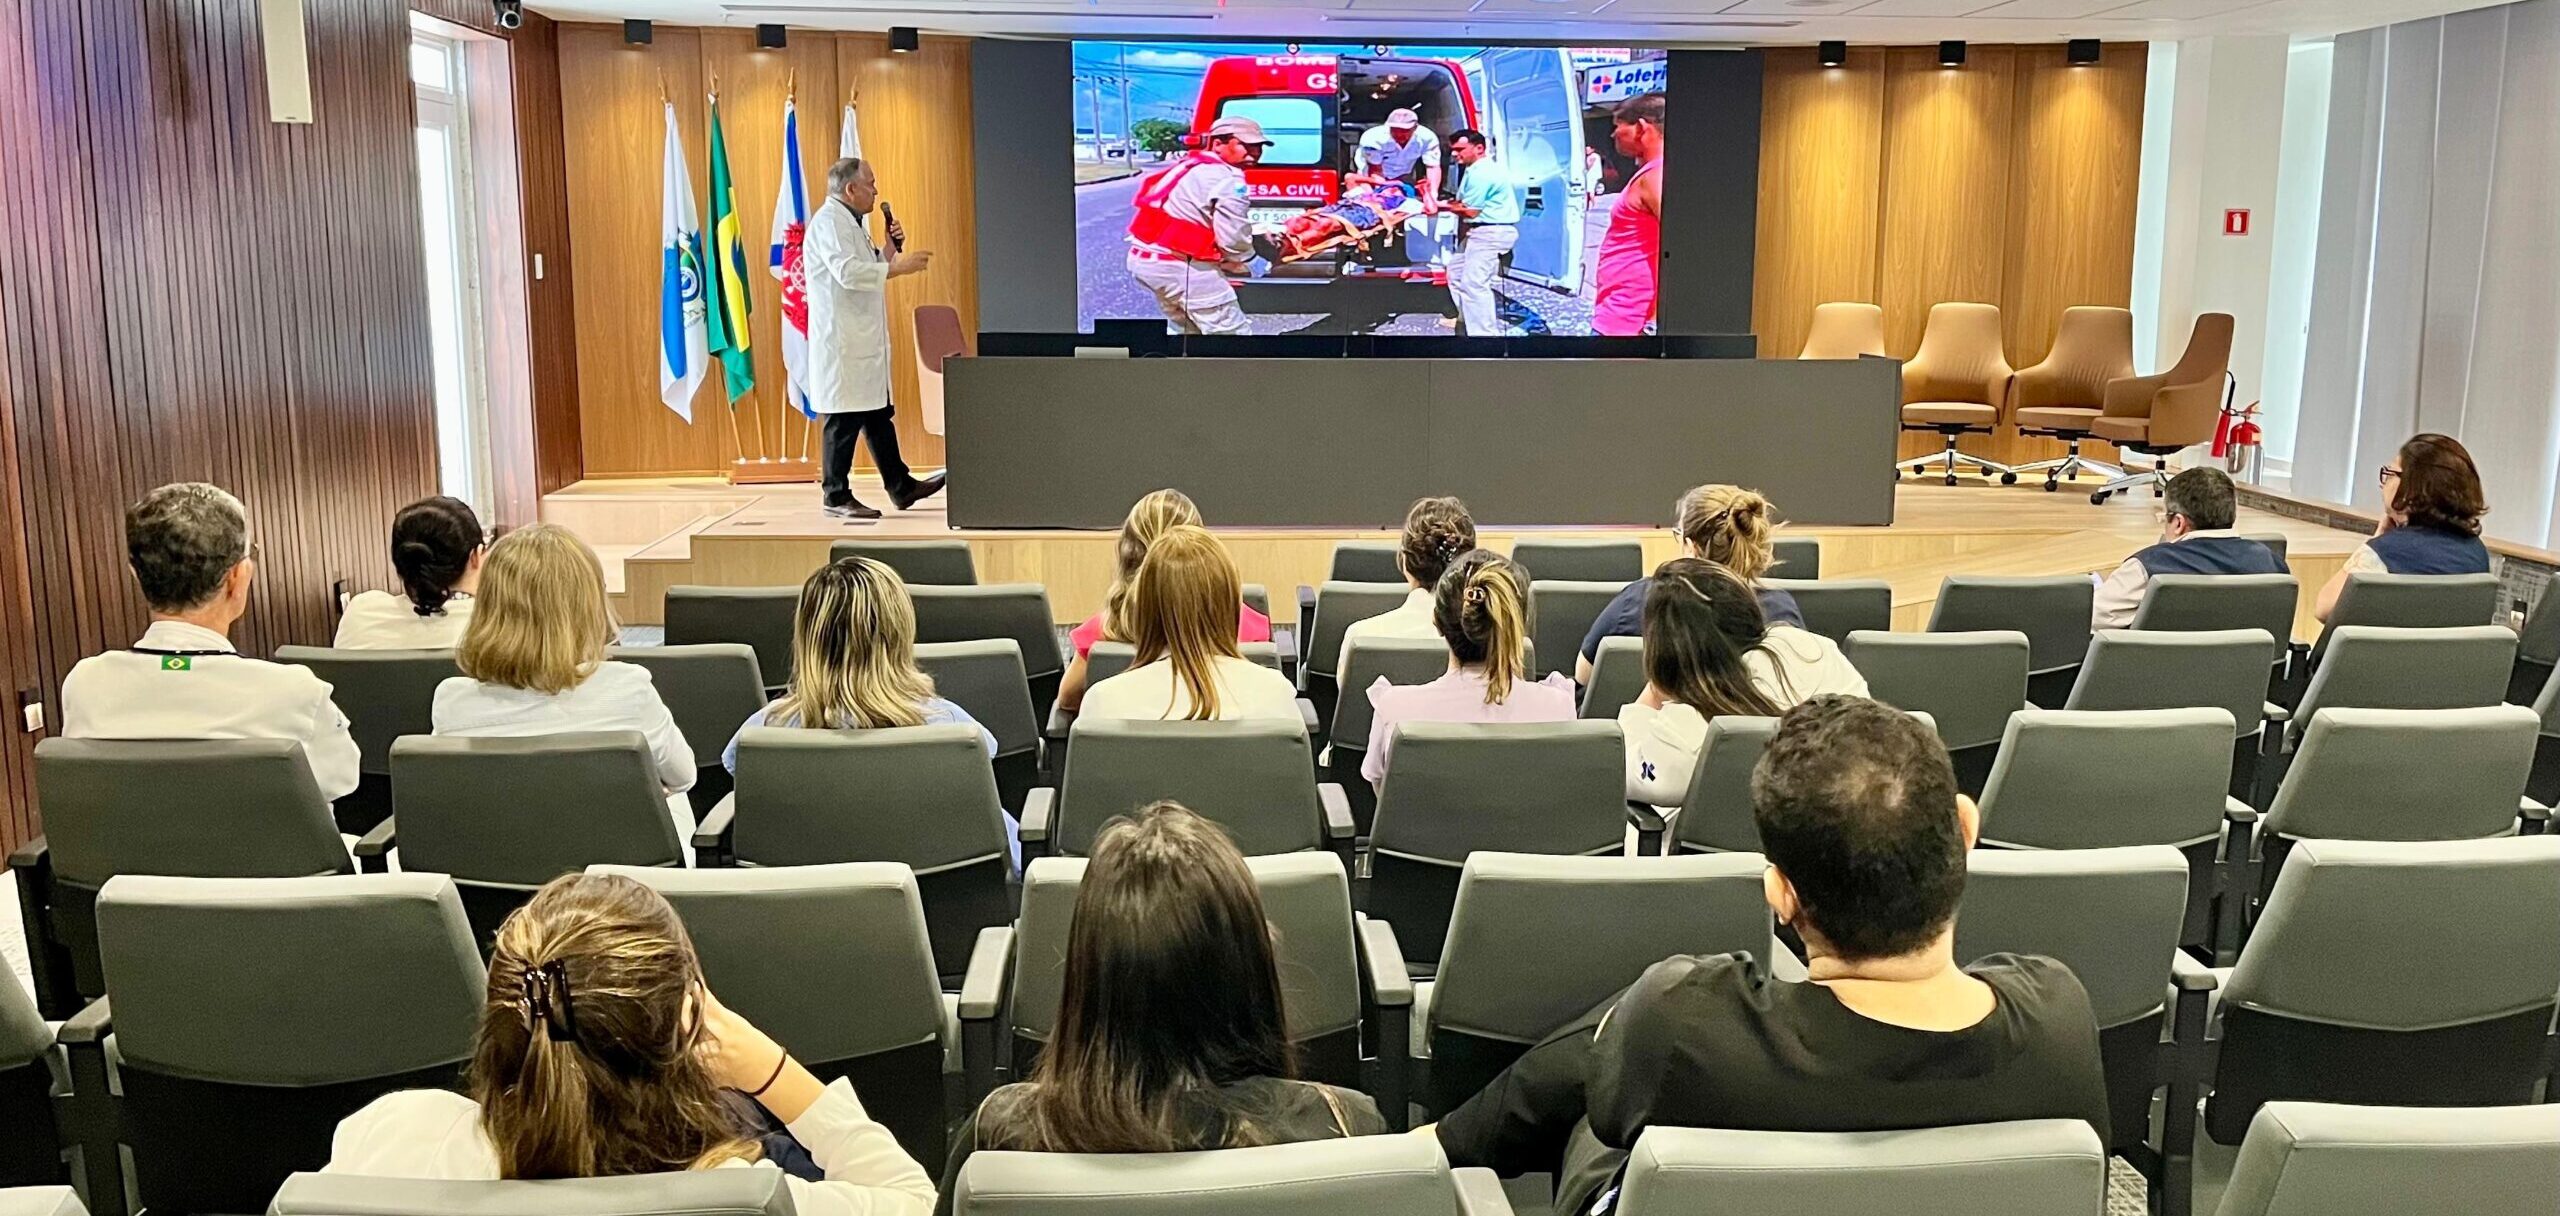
x=728 y=287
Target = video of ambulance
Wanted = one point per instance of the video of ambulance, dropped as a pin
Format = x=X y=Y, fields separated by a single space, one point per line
x=1415 y=190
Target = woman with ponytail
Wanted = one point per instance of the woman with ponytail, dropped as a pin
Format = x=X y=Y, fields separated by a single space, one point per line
x=1733 y=527
x=1154 y=515
x=1181 y=613
x=602 y=1054
x=1436 y=532
x=1709 y=651
x=1481 y=608
x=436 y=546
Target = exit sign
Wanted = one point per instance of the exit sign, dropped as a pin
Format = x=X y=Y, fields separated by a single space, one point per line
x=2235 y=222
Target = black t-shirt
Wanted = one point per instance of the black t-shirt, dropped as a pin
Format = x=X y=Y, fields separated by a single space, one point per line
x=1711 y=1042
x=1624 y=617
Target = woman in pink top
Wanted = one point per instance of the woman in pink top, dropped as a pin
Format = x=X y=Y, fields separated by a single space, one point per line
x=1153 y=516
x=1629 y=274
x=1481 y=607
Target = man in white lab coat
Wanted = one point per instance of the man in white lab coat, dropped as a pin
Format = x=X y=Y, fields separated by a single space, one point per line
x=849 y=341
x=189 y=548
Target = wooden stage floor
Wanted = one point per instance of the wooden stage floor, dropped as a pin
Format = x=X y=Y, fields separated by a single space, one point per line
x=658 y=533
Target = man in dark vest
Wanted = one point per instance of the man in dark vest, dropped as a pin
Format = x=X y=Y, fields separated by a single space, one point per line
x=2196 y=538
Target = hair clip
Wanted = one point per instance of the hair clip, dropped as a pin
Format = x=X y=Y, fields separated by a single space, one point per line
x=546 y=1000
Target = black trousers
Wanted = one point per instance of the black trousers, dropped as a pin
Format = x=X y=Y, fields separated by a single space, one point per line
x=835 y=456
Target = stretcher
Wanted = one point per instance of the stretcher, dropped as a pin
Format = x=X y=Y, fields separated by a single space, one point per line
x=1298 y=239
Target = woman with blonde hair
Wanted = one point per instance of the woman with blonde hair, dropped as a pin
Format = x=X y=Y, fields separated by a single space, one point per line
x=601 y=1053
x=1728 y=525
x=1154 y=515
x=1179 y=613
x=533 y=660
x=1481 y=608
x=853 y=659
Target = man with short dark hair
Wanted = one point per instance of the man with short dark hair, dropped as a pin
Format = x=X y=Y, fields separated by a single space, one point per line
x=1866 y=835
x=2195 y=538
x=1489 y=202
x=189 y=548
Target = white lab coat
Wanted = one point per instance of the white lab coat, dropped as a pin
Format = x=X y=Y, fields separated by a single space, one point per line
x=848 y=313
x=214 y=693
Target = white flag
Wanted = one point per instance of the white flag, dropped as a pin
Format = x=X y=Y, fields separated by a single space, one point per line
x=684 y=345
x=790 y=227
x=850 y=146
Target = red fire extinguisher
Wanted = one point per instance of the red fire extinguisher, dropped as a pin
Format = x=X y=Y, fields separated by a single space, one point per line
x=2237 y=441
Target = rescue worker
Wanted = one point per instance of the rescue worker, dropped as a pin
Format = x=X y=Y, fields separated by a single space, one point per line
x=1191 y=230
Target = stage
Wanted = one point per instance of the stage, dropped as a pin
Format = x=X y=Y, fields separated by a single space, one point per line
x=657 y=533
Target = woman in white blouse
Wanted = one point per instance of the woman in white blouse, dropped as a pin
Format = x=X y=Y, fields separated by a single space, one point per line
x=602 y=1054
x=1708 y=650
x=1182 y=619
x=533 y=660
x=436 y=546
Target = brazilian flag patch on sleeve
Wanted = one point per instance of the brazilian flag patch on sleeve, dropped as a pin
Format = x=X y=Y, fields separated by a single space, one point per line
x=177 y=662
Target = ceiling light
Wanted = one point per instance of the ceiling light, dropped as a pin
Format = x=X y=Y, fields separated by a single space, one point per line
x=771 y=37
x=902 y=39
x=1951 y=53
x=1834 y=52
x=2083 y=51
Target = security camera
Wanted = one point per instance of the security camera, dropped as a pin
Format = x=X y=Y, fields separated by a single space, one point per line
x=510 y=13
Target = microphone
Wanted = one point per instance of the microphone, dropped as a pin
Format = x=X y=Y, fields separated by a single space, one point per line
x=889 y=219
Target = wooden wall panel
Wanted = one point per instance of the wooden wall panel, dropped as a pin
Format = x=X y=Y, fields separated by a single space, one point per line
x=1821 y=149
x=915 y=126
x=1942 y=232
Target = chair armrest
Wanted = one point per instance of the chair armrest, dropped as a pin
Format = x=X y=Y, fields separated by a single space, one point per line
x=92 y=1024
x=982 y=1000
x=1336 y=805
x=1061 y=720
x=2532 y=818
x=1386 y=1010
x=2235 y=878
x=373 y=849
x=1039 y=809
x=1307 y=716
x=2188 y=975
x=1382 y=961
x=713 y=832
x=2274 y=712
x=30 y=855
x=48 y=964
x=1305 y=629
x=2130 y=396
x=1649 y=826
x=1480 y=1193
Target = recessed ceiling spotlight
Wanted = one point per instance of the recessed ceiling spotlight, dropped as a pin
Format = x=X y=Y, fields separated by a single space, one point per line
x=1951 y=53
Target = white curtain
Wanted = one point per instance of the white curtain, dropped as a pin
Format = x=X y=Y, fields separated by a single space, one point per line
x=2436 y=288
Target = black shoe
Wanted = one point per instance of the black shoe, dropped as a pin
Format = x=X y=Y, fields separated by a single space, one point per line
x=852 y=508
x=918 y=491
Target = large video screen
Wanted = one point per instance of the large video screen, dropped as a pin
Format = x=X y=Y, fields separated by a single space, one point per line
x=1359 y=215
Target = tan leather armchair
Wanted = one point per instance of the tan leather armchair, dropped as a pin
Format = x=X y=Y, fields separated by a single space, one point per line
x=1845 y=331
x=2063 y=396
x=1957 y=383
x=2159 y=414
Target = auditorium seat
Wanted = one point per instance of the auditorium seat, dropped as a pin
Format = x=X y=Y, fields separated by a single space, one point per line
x=32 y=1147
x=504 y=816
x=385 y=694
x=1560 y=616
x=1255 y=778
x=1716 y=817
x=1957 y=384
x=41 y=1200
x=1019 y=611
x=1371 y=1175
x=834 y=963
x=2200 y=603
x=2393 y=973
x=2062 y=396
x=1968 y=684
x=1535 y=941
x=2389 y=667
x=1019 y=972
x=920 y=796
x=1555 y=788
x=2545 y=786
x=2316 y=1159
x=1836 y=608
x=1617 y=677
x=1365 y=561
x=710 y=690
x=2170 y=669
x=2039 y=1166
x=2537 y=647
x=2160 y=414
x=1107 y=659
x=1333 y=608
x=2069 y=779
x=688 y=1193
x=2113 y=916
x=216 y=808
x=985 y=678
x=2411 y=601
x=1398 y=661
x=1580 y=561
x=759 y=617
x=2401 y=774
x=250 y=1016
x=2276 y=542
x=2052 y=611
x=1796 y=557
x=919 y=563
x=1844 y=330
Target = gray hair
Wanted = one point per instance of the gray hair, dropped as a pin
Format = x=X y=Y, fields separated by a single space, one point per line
x=181 y=540
x=842 y=173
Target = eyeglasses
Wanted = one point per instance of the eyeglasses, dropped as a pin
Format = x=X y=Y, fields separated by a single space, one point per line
x=2389 y=475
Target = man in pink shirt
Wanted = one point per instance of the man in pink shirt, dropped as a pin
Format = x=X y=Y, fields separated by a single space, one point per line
x=1629 y=274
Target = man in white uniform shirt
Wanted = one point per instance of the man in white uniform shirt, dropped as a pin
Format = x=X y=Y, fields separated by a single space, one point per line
x=849 y=341
x=189 y=547
x=1396 y=150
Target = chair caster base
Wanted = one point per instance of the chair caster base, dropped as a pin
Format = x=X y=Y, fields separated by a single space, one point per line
x=2008 y=479
x=2098 y=499
x=2050 y=485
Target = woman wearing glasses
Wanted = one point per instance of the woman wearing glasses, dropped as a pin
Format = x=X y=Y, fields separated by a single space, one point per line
x=2432 y=504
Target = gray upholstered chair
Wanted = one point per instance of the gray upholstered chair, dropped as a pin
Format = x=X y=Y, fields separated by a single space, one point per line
x=1256 y=778
x=1968 y=684
x=1716 y=817
x=834 y=963
x=2537 y=647
x=2410 y=601
x=504 y=816
x=2401 y=774
x=31 y=1154
x=2205 y=603
x=1836 y=608
x=1560 y=614
x=689 y=1193
x=919 y=796
x=251 y=1015
x=1580 y=561
x=1397 y=661
x=1371 y=1175
x=1021 y=970
x=2314 y=1159
x=1019 y=611
x=710 y=689
x=1617 y=677
x=2113 y=916
x=2073 y=779
x=985 y=678
x=1365 y=561
x=33 y=1199
x=758 y=617
x=1798 y=558
x=1335 y=606
x=2276 y=542
x=2393 y=667
x=919 y=563
x=1107 y=659
x=2415 y=973
x=2175 y=669
x=2545 y=785
x=2052 y=611
x=217 y=808
x=385 y=694
x=2041 y=1166
x=1536 y=941
x=1557 y=788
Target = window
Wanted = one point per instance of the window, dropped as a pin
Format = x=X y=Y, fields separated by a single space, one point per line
x=431 y=65
x=1294 y=125
x=451 y=242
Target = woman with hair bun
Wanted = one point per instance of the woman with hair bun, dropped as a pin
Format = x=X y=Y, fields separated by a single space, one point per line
x=436 y=546
x=1436 y=532
x=1481 y=608
x=1733 y=527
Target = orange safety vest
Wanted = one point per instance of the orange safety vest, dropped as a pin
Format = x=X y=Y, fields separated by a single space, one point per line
x=1153 y=225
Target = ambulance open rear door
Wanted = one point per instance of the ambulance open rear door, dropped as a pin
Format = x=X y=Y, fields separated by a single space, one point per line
x=1536 y=94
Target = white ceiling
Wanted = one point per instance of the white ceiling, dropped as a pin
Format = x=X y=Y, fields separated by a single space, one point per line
x=1582 y=22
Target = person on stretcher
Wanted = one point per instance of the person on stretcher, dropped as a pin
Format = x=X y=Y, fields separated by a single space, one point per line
x=1366 y=211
